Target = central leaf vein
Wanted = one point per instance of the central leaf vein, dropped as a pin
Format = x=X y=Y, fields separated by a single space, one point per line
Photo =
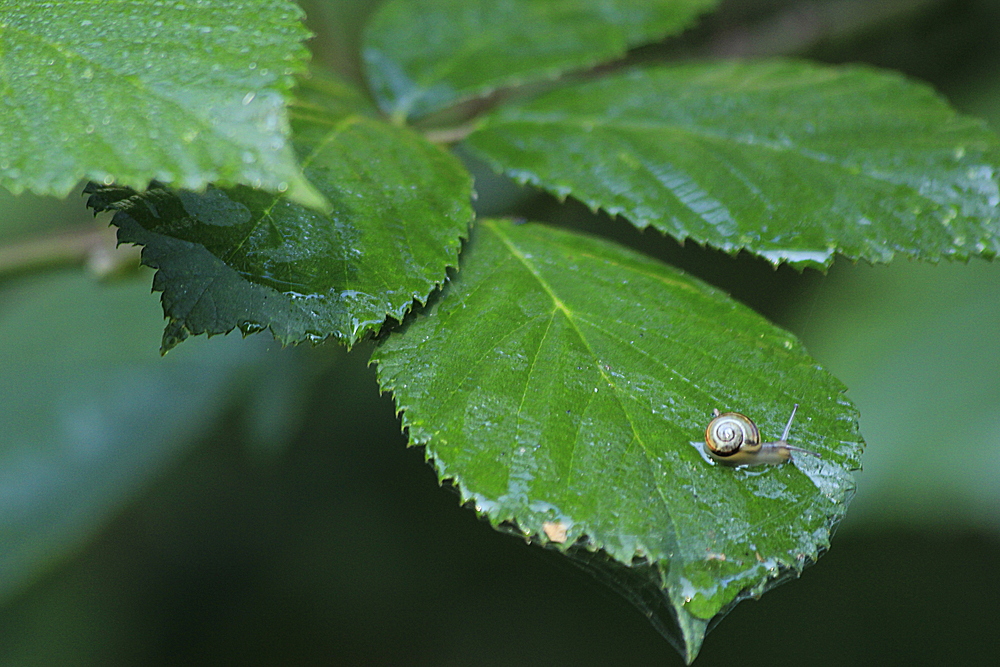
x=561 y=307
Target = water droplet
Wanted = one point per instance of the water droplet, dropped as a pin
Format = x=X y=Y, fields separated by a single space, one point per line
x=248 y=98
x=797 y=256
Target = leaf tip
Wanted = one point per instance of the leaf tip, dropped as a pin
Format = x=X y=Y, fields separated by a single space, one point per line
x=301 y=191
x=174 y=334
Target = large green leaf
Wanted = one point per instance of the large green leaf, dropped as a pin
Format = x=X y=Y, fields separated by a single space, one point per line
x=184 y=92
x=250 y=259
x=792 y=161
x=423 y=55
x=563 y=382
x=89 y=413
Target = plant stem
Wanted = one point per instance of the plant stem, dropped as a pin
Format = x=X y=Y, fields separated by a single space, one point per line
x=449 y=135
x=93 y=247
x=802 y=25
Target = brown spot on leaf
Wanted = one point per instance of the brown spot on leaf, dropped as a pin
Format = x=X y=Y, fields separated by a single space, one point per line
x=555 y=531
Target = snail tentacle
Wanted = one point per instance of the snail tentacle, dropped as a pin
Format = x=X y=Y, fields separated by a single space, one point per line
x=788 y=426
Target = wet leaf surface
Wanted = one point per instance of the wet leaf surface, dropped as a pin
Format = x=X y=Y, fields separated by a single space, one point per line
x=792 y=161
x=423 y=55
x=564 y=384
x=184 y=92
x=247 y=258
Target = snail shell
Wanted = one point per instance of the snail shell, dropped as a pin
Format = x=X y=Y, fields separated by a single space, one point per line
x=733 y=439
x=730 y=432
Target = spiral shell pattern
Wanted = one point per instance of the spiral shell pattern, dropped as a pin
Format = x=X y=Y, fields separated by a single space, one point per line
x=730 y=431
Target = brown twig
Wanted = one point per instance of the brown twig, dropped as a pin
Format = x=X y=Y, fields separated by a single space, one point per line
x=92 y=246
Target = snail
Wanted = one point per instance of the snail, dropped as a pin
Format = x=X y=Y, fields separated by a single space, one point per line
x=733 y=439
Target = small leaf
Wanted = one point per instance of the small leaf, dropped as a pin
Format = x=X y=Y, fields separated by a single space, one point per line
x=424 y=55
x=246 y=258
x=564 y=384
x=186 y=93
x=792 y=161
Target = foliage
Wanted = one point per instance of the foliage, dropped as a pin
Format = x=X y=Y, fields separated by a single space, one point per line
x=561 y=382
x=189 y=93
x=789 y=160
x=251 y=259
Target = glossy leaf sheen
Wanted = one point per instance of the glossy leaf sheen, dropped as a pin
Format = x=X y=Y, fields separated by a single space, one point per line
x=564 y=379
x=792 y=161
x=186 y=92
x=423 y=55
x=250 y=259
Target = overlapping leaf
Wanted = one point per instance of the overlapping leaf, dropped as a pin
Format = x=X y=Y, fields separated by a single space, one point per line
x=246 y=258
x=184 y=92
x=423 y=55
x=792 y=161
x=564 y=383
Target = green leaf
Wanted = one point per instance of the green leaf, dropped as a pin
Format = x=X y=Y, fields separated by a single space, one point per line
x=183 y=92
x=564 y=382
x=250 y=259
x=792 y=161
x=424 y=55
x=90 y=413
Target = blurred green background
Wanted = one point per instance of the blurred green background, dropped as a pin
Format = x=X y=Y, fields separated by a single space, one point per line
x=236 y=503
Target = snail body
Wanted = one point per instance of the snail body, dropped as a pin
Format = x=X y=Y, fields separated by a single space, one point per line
x=732 y=439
